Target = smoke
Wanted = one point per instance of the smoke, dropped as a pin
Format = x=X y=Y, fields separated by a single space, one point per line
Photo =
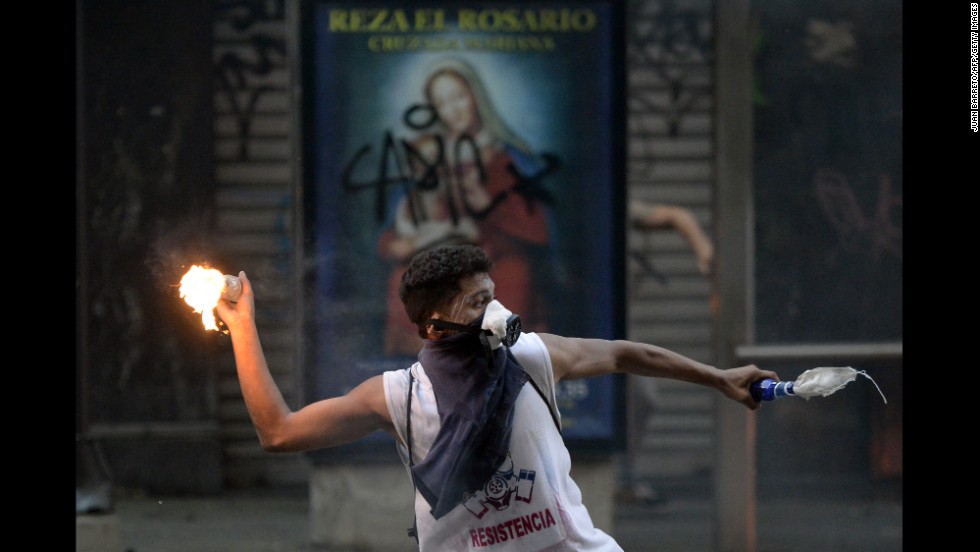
x=177 y=247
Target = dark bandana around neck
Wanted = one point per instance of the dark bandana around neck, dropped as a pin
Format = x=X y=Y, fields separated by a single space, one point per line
x=476 y=412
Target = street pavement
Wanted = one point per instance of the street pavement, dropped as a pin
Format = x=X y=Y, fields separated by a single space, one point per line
x=835 y=519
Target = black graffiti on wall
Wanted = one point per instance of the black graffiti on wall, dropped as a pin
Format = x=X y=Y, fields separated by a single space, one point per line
x=827 y=171
x=236 y=72
x=876 y=230
x=674 y=40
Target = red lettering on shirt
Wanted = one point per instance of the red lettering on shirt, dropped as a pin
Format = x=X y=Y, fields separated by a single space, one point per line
x=512 y=528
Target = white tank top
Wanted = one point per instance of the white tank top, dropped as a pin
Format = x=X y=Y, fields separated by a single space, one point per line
x=531 y=503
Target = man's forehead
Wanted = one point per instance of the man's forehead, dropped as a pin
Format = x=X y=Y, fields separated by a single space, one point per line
x=477 y=283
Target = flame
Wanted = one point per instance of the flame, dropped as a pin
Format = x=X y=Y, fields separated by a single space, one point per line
x=201 y=288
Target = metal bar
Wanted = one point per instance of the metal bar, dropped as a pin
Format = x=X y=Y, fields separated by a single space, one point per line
x=142 y=430
x=736 y=508
x=82 y=358
x=820 y=351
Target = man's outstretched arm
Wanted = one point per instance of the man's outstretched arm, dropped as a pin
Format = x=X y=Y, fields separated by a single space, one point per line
x=325 y=423
x=574 y=358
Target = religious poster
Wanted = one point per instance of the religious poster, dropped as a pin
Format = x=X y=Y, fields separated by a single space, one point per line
x=493 y=123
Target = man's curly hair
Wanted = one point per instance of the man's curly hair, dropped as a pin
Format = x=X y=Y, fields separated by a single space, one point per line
x=433 y=276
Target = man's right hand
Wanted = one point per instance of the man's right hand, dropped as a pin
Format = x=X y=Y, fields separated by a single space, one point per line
x=235 y=315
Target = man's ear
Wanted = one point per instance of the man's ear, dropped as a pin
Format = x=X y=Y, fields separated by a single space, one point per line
x=431 y=331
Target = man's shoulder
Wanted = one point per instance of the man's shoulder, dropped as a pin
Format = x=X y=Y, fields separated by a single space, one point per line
x=401 y=378
x=529 y=344
x=532 y=354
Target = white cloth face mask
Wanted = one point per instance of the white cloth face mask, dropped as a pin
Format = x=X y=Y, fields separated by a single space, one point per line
x=504 y=325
